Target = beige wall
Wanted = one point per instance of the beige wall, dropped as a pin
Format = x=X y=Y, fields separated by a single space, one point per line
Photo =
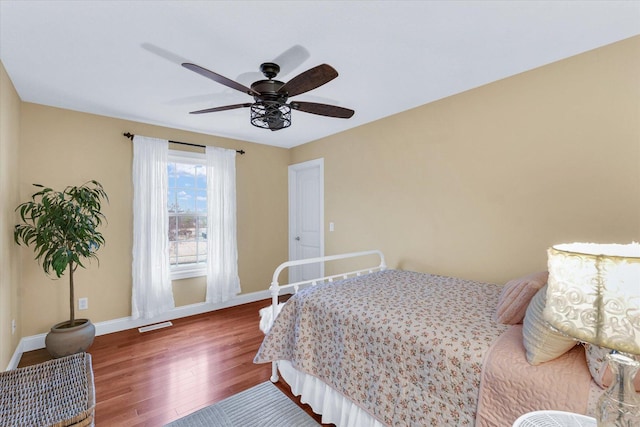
x=9 y=262
x=479 y=184
x=61 y=147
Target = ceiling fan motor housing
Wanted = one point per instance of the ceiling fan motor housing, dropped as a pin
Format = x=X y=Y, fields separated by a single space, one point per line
x=268 y=90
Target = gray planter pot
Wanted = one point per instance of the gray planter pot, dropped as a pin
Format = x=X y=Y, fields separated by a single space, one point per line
x=63 y=340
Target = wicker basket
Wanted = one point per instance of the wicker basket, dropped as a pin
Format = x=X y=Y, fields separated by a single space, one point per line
x=58 y=393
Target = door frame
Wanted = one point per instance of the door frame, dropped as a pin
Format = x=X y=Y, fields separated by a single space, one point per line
x=293 y=171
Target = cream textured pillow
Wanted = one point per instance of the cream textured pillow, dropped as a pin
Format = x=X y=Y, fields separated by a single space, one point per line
x=540 y=341
x=599 y=367
x=516 y=295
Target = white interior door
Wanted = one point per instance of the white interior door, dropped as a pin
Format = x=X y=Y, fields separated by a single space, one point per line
x=306 y=217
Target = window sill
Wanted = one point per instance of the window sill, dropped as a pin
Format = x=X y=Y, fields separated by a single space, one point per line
x=187 y=274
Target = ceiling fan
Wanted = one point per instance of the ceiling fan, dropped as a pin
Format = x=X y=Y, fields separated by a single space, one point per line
x=270 y=109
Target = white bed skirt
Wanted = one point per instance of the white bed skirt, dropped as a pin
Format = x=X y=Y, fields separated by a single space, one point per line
x=334 y=407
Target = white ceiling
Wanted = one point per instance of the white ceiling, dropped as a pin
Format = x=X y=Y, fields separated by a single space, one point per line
x=122 y=59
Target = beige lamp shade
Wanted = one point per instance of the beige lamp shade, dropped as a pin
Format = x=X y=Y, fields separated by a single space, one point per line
x=593 y=293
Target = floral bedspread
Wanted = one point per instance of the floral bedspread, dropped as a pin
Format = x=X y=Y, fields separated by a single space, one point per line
x=407 y=347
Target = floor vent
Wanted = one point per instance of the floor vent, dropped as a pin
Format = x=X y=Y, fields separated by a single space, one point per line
x=154 y=327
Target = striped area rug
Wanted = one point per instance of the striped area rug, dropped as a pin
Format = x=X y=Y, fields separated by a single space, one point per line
x=260 y=406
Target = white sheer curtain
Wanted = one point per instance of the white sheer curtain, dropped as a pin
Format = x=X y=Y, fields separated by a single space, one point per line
x=222 y=256
x=152 y=292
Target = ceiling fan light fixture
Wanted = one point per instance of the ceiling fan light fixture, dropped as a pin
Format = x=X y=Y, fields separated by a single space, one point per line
x=270 y=115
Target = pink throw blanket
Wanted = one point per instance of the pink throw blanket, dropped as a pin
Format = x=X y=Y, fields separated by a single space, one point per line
x=510 y=386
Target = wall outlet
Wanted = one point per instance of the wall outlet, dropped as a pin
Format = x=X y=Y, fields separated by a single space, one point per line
x=14 y=326
x=83 y=303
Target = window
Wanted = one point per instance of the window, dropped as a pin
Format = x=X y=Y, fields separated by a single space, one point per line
x=187 y=205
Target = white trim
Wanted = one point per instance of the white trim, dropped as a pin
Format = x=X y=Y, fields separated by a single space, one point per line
x=36 y=342
x=15 y=359
x=179 y=272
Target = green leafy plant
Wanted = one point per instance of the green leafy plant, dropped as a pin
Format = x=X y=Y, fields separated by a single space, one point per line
x=62 y=227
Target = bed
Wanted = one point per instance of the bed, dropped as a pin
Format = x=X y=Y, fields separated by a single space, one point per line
x=382 y=347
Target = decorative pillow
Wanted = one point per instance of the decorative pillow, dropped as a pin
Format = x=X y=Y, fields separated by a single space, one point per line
x=542 y=343
x=599 y=367
x=516 y=295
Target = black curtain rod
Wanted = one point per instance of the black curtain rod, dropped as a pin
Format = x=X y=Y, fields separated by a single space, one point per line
x=130 y=136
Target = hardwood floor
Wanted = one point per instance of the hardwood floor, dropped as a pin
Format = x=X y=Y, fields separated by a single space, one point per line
x=152 y=378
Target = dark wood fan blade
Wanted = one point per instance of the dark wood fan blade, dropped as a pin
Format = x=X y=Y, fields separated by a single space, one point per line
x=322 y=109
x=308 y=80
x=224 y=108
x=218 y=78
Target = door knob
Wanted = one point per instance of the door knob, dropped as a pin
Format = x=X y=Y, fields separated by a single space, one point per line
x=298 y=238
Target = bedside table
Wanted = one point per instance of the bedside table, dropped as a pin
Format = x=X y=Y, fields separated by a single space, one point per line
x=554 y=419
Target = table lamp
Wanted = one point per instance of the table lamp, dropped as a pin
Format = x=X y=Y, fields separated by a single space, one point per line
x=593 y=295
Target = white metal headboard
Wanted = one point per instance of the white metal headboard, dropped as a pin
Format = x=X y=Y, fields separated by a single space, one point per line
x=276 y=288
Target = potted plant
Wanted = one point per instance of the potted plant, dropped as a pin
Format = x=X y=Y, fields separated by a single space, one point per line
x=62 y=228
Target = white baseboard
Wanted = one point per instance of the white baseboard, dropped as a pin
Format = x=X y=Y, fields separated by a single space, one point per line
x=15 y=359
x=35 y=342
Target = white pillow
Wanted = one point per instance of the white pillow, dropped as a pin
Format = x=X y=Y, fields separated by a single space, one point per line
x=541 y=342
